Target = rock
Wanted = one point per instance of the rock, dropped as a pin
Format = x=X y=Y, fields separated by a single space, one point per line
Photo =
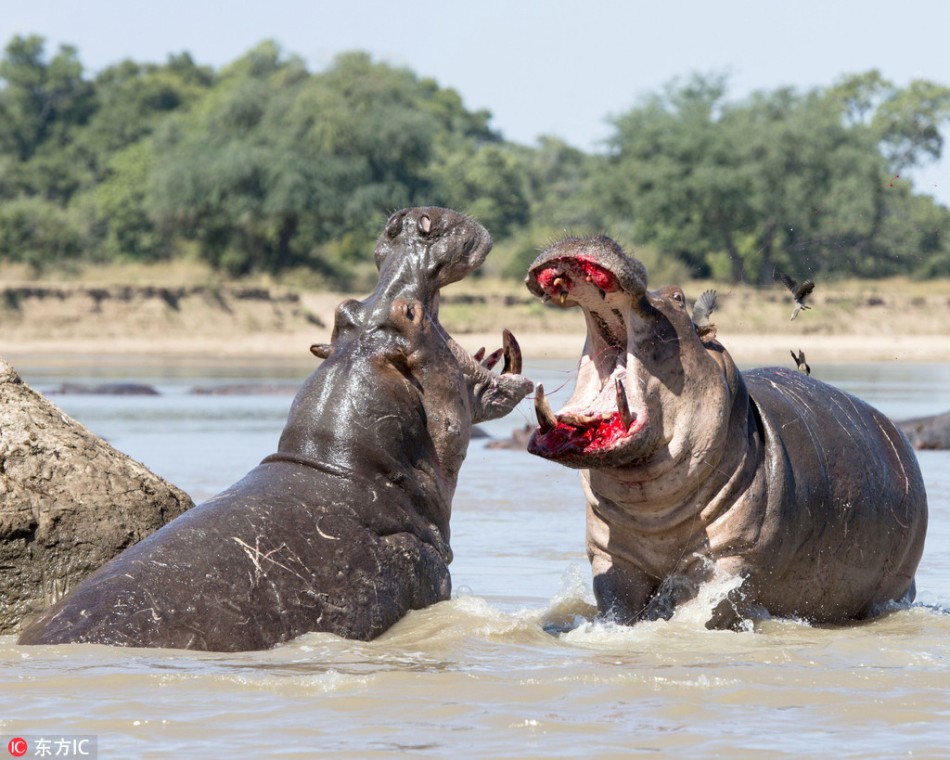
x=68 y=501
x=517 y=442
x=928 y=432
x=104 y=389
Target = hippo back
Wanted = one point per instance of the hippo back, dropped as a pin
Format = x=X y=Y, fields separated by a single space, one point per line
x=856 y=495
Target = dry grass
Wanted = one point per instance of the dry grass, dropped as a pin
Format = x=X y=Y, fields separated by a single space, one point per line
x=850 y=320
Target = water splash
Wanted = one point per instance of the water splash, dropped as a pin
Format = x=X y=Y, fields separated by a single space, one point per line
x=722 y=589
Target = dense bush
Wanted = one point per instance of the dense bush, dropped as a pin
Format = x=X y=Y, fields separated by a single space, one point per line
x=264 y=166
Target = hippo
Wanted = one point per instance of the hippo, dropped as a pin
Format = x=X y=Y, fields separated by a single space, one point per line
x=345 y=528
x=805 y=500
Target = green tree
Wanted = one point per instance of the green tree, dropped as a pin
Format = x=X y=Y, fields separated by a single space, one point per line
x=485 y=181
x=783 y=179
x=38 y=233
x=41 y=100
x=279 y=167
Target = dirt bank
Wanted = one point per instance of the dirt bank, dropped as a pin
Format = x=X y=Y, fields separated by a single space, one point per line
x=879 y=321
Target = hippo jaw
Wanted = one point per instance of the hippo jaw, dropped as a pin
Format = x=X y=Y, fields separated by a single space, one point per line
x=628 y=407
x=395 y=334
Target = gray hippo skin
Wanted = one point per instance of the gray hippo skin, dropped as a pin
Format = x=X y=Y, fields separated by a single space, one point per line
x=693 y=470
x=346 y=528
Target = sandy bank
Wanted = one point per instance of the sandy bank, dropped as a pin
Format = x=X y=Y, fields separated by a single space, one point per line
x=861 y=322
x=771 y=349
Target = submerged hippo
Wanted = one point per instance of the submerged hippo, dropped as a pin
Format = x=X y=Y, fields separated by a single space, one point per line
x=692 y=469
x=346 y=528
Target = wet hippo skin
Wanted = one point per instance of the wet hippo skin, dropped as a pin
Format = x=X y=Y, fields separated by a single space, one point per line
x=346 y=527
x=694 y=470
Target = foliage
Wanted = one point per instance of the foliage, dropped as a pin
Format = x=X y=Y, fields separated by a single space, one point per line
x=788 y=180
x=264 y=166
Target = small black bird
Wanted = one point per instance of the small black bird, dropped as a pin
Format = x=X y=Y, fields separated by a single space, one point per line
x=705 y=305
x=800 y=361
x=799 y=292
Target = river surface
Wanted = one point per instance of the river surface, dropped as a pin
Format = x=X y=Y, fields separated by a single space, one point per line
x=515 y=665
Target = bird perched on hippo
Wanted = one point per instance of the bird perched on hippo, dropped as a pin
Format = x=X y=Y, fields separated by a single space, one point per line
x=346 y=527
x=693 y=469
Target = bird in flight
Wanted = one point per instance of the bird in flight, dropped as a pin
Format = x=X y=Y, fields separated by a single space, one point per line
x=799 y=292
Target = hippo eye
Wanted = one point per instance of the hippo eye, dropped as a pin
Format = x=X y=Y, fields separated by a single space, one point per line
x=678 y=296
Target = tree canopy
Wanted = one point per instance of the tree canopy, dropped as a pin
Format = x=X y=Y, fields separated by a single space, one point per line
x=264 y=166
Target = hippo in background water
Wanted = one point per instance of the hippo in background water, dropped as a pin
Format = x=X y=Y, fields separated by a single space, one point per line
x=693 y=470
x=346 y=527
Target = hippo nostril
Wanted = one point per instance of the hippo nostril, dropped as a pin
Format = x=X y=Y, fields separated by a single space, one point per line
x=425 y=224
x=394 y=225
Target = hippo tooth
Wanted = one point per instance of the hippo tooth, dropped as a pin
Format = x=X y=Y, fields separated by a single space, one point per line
x=512 y=354
x=622 y=406
x=562 y=298
x=546 y=419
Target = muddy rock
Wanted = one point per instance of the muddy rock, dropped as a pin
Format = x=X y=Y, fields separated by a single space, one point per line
x=928 y=432
x=68 y=501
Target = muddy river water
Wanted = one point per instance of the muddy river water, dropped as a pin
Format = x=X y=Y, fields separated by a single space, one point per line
x=514 y=665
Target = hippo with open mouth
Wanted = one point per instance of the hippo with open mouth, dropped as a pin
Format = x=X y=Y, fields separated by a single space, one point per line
x=346 y=527
x=693 y=470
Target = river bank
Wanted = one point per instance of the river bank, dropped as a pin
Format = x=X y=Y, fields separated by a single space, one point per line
x=859 y=321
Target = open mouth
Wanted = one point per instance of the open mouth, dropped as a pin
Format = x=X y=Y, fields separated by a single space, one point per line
x=572 y=432
x=605 y=411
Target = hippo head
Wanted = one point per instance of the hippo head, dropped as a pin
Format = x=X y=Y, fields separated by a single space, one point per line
x=396 y=394
x=653 y=388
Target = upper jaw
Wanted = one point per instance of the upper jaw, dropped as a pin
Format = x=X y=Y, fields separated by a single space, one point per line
x=605 y=421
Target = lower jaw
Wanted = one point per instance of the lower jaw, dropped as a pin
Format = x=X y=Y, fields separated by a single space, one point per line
x=580 y=451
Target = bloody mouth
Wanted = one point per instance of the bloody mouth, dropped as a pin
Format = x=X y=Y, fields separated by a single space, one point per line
x=605 y=421
x=557 y=281
x=572 y=433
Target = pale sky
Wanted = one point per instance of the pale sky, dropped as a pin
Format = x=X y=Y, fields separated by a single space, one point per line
x=555 y=67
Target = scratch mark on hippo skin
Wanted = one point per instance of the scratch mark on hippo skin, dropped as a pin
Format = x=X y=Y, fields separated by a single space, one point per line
x=904 y=475
x=255 y=554
x=327 y=535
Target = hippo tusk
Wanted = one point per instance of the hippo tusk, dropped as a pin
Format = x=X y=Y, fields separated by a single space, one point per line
x=492 y=359
x=512 y=354
x=546 y=418
x=622 y=406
